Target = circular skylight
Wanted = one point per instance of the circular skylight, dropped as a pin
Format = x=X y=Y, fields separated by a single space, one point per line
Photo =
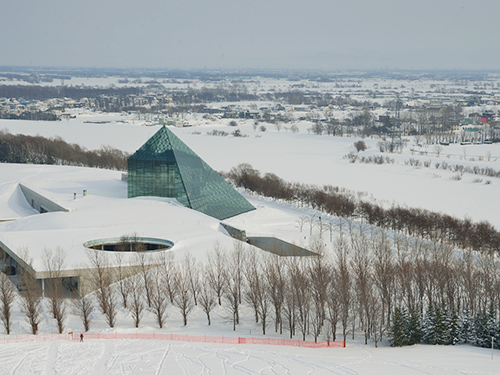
x=129 y=244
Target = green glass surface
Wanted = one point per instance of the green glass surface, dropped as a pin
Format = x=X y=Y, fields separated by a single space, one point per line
x=166 y=167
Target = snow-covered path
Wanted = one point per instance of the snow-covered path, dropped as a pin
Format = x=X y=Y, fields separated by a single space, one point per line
x=164 y=357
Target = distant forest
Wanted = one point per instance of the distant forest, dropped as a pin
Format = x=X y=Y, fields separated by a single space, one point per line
x=28 y=149
x=77 y=93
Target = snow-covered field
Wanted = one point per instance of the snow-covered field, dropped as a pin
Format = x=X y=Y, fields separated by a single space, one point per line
x=163 y=357
x=309 y=158
x=129 y=356
x=302 y=157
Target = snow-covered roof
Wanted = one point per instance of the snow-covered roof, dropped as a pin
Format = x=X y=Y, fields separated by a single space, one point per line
x=105 y=212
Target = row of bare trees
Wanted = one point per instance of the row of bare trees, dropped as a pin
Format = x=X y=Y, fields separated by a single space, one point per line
x=428 y=225
x=74 y=92
x=40 y=150
x=356 y=286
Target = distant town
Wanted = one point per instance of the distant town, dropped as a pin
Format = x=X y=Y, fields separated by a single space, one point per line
x=444 y=107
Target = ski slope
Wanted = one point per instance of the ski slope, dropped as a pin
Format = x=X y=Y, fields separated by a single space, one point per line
x=116 y=357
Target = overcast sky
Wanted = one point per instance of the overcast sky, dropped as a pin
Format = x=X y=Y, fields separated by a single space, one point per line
x=260 y=34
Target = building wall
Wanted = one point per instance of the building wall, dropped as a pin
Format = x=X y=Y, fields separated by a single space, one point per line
x=154 y=178
x=39 y=202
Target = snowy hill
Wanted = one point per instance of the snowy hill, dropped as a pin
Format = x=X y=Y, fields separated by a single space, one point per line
x=301 y=157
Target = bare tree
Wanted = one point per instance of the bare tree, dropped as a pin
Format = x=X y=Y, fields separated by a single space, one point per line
x=168 y=274
x=469 y=276
x=369 y=283
x=420 y=272
x=300 y=288
x=83 y=307
x=7 y=297
x=257 y=289
x=317 y=128
x=123 y=277
x=343 y=283
x=405 y=275
x=322 y=227
x=489 y=279
x=438 y=149
x=207 y=297
x=332 y=307
x=360 y=145
x=378 y=326
x=234 y=280
x=312 y=222
x=252 y=285
x=319 y=277
x=30 y=294
x=102 y=279
x=183 y=298
x=289 y=305
x=159 y=294
x=275 y=278
x=383 y=276
x=54 y=289
x=316 y=322
x=136 y=305
x=193 y=274
x=445 y=276
x=301 y=221
x=237 y=263
x=216 y=271
x=142 y=260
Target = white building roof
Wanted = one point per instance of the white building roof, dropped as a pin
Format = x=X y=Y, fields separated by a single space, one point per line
x=104 y=213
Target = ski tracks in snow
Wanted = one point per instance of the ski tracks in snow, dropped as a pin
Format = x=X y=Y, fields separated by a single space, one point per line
x=194 y=359
x=29 y=362
x=158 y=370
x=50 y=360
x=118 y=357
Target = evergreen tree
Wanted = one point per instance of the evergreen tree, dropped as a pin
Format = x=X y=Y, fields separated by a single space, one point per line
x=492 y=328
x=398 y=334
x=466 y=327
x=481 y=337
x=437 y=325
x=415 y=333
x=429 y=326
x=453 y=327
x=440 y=327
x=497 y=337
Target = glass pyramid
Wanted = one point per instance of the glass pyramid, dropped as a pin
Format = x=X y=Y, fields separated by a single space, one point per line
x=165 y=167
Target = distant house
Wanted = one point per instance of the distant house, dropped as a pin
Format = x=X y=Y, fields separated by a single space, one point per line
x=251 y=114
x=230 y=114
x=385 y=119
x=409 y=130
x=489 y=115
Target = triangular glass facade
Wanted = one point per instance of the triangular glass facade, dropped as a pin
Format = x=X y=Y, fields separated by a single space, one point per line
x=165 y=167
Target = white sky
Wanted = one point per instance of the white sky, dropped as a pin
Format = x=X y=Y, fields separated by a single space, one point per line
x=324 y=34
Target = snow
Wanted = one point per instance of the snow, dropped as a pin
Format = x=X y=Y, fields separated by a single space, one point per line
x=164 y=357
x=299 y=157
x=107 y=213
x=309 y=158
x=104 y=213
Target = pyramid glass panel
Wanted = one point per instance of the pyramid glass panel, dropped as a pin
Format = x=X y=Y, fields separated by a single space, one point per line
x=165 y=167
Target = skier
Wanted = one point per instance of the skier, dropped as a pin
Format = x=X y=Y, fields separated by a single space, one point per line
x=81 y=337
